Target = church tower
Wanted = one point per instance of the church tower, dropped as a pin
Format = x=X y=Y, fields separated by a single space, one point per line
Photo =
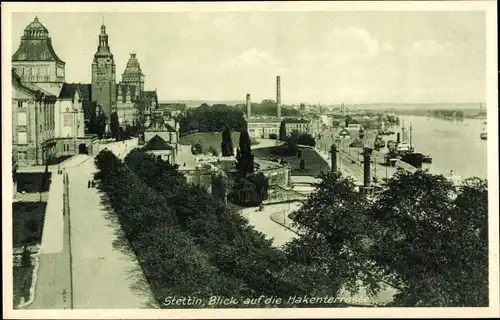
x=104 y=75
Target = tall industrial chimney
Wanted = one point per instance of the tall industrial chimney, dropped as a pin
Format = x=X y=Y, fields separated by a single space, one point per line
x=278 y=97
x=249 y=106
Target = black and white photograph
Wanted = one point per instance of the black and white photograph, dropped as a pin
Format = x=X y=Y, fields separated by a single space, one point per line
x=290 y=159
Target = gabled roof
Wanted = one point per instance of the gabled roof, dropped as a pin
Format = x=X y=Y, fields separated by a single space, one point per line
x=85 y=91
x=157 y=143
x=68 y=91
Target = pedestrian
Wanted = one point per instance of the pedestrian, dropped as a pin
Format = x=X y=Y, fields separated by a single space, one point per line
x=88 y=184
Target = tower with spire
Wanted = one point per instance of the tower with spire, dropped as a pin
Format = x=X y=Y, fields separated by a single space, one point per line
x=104 y=75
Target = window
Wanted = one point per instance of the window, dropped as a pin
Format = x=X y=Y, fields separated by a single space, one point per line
x=21 y=119
x=22 y=138
x=21 y=155
x=19 y=104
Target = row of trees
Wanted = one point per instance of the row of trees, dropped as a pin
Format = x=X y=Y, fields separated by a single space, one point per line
x=187 y=242
x=422 y=235
x=214 y=118
x=268 y=108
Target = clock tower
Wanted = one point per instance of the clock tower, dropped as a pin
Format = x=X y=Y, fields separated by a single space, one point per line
x=104 y=76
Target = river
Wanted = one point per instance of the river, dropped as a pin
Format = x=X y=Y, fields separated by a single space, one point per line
x=452 y=144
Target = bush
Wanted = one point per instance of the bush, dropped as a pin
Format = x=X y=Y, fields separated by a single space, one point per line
x=273 y=136
x=197 y=149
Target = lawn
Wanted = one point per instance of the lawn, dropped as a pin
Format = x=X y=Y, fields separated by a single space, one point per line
x=27 y=222
x=22 y=277
x=31 y=182
x=213 y=139
x=314 y=163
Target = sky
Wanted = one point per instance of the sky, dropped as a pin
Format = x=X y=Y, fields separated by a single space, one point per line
x=321 y=57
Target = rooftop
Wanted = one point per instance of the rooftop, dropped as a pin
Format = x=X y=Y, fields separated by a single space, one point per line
x=35 y=45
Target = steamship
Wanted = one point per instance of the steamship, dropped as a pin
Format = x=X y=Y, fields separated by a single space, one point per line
x=405 y=151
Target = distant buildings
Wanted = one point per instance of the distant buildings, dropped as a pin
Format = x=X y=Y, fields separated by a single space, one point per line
x=260 y=127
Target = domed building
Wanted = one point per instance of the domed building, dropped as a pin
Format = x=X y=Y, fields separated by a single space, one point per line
x=52 y=127
x=35 y=61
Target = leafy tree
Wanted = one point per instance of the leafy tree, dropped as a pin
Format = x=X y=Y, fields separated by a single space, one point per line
x=115 y=126
x=214 y=118
x=100 y=126
x=212 y=151
x=227 y=143
x=333 y=226
x=26 y=257
x=282 y=134
x=197 y=148
x=218 y=187
x=432 y=241
x=244 y=156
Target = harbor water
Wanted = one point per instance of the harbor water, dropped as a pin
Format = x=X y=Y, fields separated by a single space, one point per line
x=452 y=144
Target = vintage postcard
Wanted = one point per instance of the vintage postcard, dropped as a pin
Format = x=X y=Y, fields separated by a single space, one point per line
x=250 y=160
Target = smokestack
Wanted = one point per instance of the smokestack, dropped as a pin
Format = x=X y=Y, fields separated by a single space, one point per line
x=366 y=167
x=278 y=96
x=249 y=106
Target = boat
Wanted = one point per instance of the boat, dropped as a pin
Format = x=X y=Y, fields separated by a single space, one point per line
x=484 y=132
x=406 y=152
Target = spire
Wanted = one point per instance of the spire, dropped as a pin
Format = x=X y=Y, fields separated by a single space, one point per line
x=103 y=47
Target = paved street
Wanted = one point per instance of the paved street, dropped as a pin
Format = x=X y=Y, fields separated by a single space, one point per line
x=262 y=222
x=106 y=273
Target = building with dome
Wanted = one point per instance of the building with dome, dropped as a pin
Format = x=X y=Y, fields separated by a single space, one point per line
x=50 y=112
x=36 y=62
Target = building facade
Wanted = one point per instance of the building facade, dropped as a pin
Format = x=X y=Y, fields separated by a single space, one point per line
x=263 y=128
x=33 y=124
x=38 y=72
x=299 y=125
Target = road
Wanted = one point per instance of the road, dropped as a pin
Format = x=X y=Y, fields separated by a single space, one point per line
x=106 y=273
x=262 y=222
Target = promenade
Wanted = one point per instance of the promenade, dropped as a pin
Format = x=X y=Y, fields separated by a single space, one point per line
x=106 y=273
